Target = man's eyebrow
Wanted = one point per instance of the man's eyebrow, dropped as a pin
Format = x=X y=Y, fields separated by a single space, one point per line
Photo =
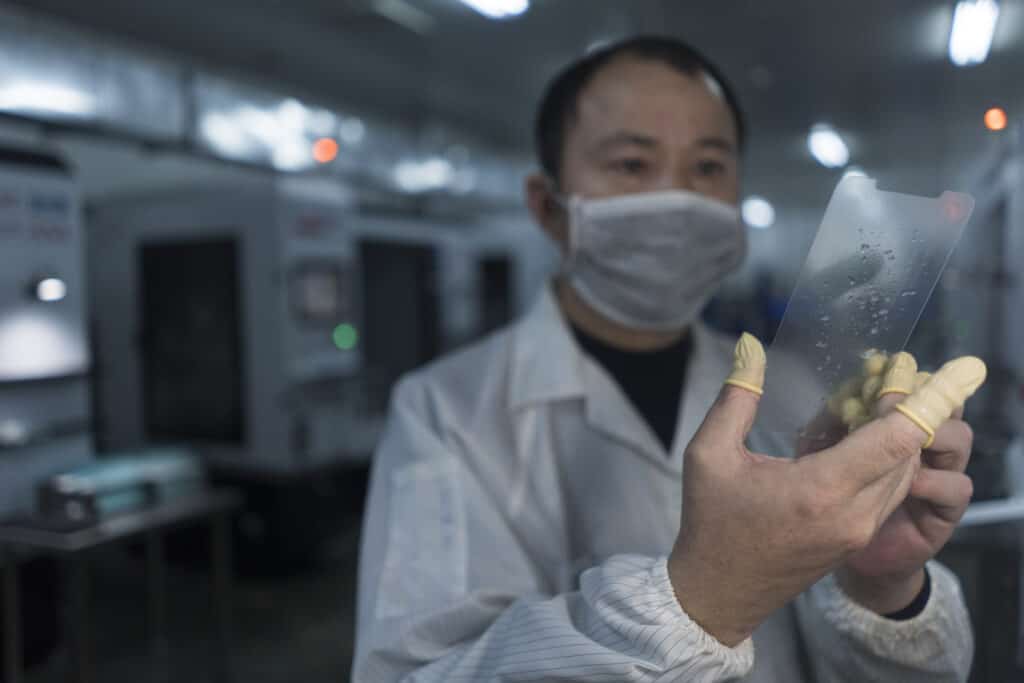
x=624 y=138
x=717 y=143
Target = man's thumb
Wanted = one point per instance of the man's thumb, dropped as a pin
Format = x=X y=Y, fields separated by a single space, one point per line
x=732 y=415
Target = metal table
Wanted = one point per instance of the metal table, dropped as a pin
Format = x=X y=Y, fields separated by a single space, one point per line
x=73 y=548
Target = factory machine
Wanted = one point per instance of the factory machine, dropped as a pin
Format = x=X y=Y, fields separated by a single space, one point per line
x=219 y=314
x=45 y=416
x=264 y=324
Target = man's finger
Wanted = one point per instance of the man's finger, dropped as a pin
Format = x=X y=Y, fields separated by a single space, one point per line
x=900 y=373
x=733 y=413
x=951 y=449
x=887 y=402
x=945 y=391
x=880 y=498
x=873 y=451
x=948 y=493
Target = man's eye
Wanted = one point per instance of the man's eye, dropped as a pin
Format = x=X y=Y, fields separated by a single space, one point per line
x=710 y=167
x=630 y=166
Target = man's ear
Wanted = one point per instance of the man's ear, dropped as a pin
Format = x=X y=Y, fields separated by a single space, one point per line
x=549 y=214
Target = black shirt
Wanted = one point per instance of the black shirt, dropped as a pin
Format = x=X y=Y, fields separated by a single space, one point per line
x=652 y=380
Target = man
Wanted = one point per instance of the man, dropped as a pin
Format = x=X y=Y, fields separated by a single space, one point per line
x=529 y=517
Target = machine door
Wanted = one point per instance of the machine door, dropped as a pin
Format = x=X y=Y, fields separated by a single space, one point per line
x=401 y=328
x=191 y=341
x=495 y=277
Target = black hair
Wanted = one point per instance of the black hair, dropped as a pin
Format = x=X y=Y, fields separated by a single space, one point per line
x=558 y=105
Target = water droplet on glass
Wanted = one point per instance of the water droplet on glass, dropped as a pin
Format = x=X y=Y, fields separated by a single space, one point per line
x=909 y=294
x=821 y=344
x=884 y=312
x=825 y=318
x=874 y=330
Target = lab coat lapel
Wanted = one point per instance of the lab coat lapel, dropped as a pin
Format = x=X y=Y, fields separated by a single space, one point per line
x=709 y=365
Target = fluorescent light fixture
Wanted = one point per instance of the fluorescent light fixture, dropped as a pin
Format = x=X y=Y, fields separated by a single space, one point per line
x=974 y=24
x=499 y=9
x=758 y=212
x=827 y=146
x=51 y=289
x=423 y=176
x=46 y=98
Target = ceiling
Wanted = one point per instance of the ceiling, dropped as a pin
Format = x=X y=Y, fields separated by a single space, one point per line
x=876 y=69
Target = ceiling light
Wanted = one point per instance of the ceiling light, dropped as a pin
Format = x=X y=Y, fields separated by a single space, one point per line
x=498 y=9
x=758 y=212
x=974 y=23
x=827 y=146
x=51 y=289
x=995 y=119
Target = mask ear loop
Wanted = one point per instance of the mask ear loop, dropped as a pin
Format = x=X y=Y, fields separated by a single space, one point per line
x=570 y=205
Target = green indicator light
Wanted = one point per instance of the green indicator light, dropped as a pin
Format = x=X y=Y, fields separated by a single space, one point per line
x=345 y=337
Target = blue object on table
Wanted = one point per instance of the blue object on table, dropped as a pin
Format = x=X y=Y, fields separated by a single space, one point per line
x=121 y=483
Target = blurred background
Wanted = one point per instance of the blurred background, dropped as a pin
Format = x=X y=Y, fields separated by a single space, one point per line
x=227 y=227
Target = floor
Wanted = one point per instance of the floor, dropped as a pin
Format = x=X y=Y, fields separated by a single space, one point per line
x=295 y=628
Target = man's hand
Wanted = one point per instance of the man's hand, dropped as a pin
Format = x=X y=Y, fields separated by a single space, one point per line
x=757 y=530
x=888 y=574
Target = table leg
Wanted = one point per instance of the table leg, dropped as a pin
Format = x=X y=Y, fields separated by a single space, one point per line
x=12 y=621
x=221 y=551
x=156 y=578
x=80 y=636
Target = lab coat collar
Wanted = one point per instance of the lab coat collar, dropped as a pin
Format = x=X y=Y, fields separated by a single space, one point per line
x=610 y=411
x=547 y=365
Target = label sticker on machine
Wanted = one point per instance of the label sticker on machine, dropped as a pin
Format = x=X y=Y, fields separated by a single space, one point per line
x=873 y=265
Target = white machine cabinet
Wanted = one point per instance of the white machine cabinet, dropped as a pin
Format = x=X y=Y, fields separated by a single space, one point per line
x=227 y=318
x=45 y=417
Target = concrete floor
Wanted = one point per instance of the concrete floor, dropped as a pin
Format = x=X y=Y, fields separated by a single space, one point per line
x=298 y=628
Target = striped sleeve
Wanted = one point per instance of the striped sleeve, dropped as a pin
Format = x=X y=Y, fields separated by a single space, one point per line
x=624 y=624
x=850 y=643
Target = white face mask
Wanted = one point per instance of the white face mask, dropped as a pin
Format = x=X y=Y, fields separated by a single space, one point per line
x=652 y=261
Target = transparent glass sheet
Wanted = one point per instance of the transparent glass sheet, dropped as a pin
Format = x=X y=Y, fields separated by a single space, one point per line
x=871 y=269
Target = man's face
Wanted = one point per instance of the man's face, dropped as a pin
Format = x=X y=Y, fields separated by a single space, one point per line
x=642 y=126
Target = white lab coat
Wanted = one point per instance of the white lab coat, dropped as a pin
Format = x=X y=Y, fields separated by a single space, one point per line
x=518 y=524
